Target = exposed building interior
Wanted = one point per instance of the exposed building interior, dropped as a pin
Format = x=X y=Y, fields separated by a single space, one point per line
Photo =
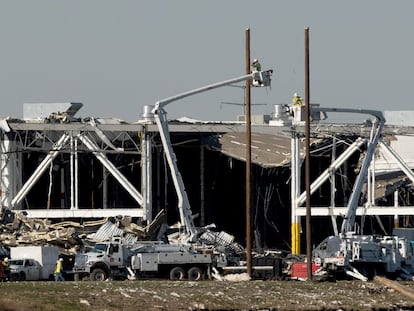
x=60 y=167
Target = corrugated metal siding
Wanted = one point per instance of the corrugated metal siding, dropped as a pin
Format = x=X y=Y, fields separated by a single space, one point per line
x=109 y=230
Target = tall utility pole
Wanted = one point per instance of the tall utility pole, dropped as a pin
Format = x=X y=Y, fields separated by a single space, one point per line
x=307 y=159
x=248 y=160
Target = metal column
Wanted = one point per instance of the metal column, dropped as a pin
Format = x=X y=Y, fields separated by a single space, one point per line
x=146 y=175
x=333 y=187
x=104 y=187
x=295 y=189
x=5 y=171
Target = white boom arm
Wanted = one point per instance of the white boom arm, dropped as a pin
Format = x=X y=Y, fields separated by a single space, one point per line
x=263 y=77
x=349 y=219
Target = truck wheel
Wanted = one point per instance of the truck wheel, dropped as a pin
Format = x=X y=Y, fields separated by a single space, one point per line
x=98 y=275
x=368 y=271
x=177 y=273
x=22 y=276
x=195 y=274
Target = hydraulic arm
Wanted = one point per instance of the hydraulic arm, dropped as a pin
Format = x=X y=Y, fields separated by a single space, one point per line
x=263 y=79
x=377 y=126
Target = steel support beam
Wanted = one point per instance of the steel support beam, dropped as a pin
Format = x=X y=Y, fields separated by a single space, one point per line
x=333 y=167
x=39 y=171
x=111 y=168
x=84 y=213
x=360 y=211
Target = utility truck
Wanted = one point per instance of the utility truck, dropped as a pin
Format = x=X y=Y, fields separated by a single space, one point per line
x=105 y=260
x=176 y=262
x=118 y=260
x=33 y=263
x=364 y=256
x=183 y=258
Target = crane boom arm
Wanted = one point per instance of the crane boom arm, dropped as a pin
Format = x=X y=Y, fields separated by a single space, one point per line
x=376 y=130
x=160 y=116
x=349 y=220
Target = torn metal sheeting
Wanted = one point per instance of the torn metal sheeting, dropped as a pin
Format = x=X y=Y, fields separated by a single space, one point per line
x=17 y=229
x=217 y=238
x=267 y=150
x=387 y=184
x=108 y=230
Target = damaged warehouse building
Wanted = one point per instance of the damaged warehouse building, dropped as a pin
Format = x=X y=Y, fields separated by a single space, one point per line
x=63 y=177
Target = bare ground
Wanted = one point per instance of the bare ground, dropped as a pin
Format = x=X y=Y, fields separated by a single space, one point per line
x=203 y=295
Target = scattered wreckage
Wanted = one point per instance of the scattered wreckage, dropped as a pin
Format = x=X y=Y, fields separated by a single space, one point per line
x=16 y=229
x=119 y=247
x=154 y=250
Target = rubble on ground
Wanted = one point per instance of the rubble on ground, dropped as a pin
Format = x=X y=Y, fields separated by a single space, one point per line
x=16 y=229
x=73 y=237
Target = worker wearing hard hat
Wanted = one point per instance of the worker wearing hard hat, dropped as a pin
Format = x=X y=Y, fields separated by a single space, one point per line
x=297 y=100
x=256 y=65
x=59 y=270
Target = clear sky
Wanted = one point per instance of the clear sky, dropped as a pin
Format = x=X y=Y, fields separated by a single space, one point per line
x=117 y=56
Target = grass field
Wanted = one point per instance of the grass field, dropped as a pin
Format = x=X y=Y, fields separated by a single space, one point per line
x=203 y=295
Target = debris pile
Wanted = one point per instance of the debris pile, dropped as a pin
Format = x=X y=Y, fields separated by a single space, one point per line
x=16 y=229
x=79 y=237
x=72 y=237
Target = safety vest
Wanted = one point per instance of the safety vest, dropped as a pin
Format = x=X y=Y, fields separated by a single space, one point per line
x=59 y=267
x=297 y=101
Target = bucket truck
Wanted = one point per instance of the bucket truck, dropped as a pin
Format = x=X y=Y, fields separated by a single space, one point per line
x=183 y=259
x=259 y=78
x=363 y=256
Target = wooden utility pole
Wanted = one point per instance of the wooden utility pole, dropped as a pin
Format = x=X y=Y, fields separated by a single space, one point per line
x=307 y=159
x=248 y=160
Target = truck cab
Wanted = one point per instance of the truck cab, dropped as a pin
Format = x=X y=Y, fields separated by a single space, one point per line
x=24 y=269
x=329 y=252
x=105 y=260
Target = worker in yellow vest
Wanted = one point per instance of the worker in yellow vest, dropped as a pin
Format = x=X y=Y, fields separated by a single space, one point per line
x=59 y=270
x=297 y=100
